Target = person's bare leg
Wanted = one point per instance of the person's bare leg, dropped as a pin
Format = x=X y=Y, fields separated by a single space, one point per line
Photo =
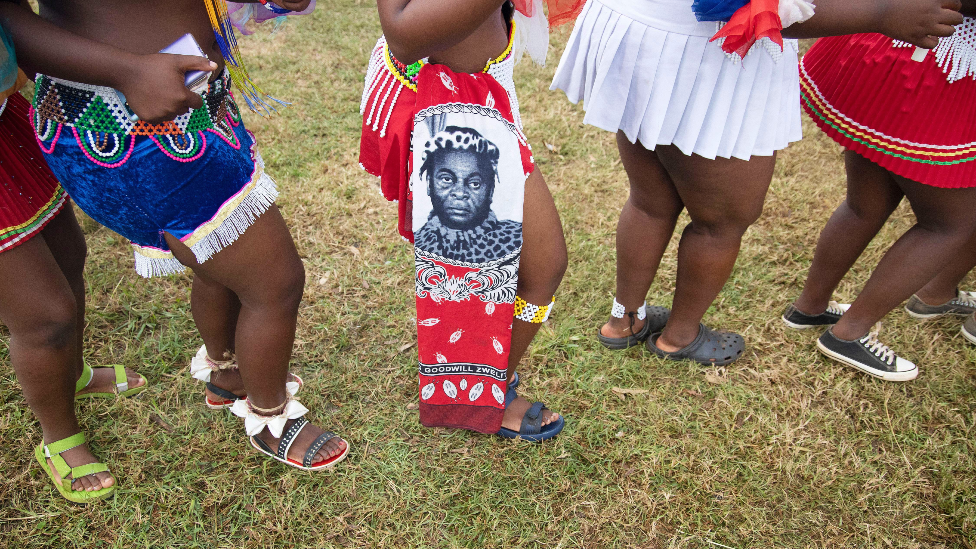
x=723 y=197
x=643 y=232
x=541 y=267
x=872 y=195
x=40 y=309
x=66 y=243
x=945 y=222
x=944 y=286
x=215 y=311
x=263 y=269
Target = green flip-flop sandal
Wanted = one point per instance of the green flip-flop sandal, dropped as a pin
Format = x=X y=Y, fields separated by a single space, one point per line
x=68 y=473
x=121 y=383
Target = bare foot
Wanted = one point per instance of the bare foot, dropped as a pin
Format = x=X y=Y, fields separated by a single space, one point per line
x=670 y=347
x=620 y=327
x=81 y=455
x=103 y=381
x=516 y=410
x=334 y=447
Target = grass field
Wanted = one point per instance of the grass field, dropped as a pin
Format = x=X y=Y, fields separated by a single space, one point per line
x=781 y=449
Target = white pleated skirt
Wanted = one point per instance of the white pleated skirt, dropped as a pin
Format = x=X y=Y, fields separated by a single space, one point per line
x=667 y=88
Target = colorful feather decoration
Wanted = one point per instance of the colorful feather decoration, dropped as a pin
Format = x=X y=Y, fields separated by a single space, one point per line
x=256 y=99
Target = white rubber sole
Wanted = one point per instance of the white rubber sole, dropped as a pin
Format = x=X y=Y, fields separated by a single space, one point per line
x=886 y=376
x=969 y=337
x=844 y=307
x=802 y=326
x=921 y=316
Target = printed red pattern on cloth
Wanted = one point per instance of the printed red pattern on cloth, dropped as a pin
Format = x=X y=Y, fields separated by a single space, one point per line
x=388 y=108
x=465 y=307
x=467 y=350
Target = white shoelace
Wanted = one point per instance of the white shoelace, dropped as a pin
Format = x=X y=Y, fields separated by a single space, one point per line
x=964 y=299
x=834 y=308
x=877 y=348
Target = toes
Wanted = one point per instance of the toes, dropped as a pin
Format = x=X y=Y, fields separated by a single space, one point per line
x=92 y=483
x=134 y=379
x=86 y=484
x=551 y=418
x=332 y=449
x=81 y=484
x=106 y=480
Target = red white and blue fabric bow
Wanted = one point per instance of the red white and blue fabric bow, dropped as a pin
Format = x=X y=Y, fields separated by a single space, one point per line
x=748 y=21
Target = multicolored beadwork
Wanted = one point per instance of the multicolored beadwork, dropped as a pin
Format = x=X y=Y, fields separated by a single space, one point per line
x=406 y=74
x=256 y=99
x=536 y=314
x=99 y=122
x=99 y=109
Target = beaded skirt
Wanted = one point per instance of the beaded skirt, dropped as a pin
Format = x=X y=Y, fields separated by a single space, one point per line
x=913 y=118
x=198 y=177
x=30 y=195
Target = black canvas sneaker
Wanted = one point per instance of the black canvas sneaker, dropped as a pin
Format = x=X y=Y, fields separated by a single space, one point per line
x=801 y=321
x=963 y=305
x=868 y=355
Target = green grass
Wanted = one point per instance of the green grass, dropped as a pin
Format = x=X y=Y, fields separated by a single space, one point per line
x=781 y=449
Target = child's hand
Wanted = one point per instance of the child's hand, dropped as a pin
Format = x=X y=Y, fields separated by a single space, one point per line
x=293 y=5
x=155 y=89
x=920 y=22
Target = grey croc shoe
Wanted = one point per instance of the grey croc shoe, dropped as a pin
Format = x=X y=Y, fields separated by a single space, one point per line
x=710 y=347
x=655 y=320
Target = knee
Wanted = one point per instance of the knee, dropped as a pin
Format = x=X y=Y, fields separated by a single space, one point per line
x=539 y=279
x=52 y=325
x=278 y=289
x=725 y=224
x=875 y=213
x=654 y=206
x=956 y=231
x=290 y=284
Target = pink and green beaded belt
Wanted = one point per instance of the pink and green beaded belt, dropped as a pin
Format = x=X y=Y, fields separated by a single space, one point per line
x=100 y=109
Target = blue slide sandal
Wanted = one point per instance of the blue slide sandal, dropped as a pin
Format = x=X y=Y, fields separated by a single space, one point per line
x=532 y=429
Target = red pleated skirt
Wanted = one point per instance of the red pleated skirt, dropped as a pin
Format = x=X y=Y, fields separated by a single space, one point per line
x=901 y=114
x=30 y=196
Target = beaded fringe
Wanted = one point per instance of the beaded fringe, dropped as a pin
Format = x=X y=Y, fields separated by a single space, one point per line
x=955 y=55
x=256 y=203
x=244 y=215
x=380 y=84
x=148 y=267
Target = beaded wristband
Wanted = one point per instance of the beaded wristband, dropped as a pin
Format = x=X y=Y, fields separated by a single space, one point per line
x=535 y=314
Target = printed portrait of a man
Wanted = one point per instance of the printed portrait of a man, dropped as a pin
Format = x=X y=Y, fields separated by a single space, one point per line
x=460 y=168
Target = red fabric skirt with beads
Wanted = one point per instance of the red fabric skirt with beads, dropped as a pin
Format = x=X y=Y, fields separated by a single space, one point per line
x=388 y=106
x=913 y=117
x=30 y=196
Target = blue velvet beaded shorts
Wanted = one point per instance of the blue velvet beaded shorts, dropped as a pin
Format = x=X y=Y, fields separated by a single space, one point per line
x=198 y=177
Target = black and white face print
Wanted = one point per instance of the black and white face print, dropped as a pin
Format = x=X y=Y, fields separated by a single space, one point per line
x=466 y=166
